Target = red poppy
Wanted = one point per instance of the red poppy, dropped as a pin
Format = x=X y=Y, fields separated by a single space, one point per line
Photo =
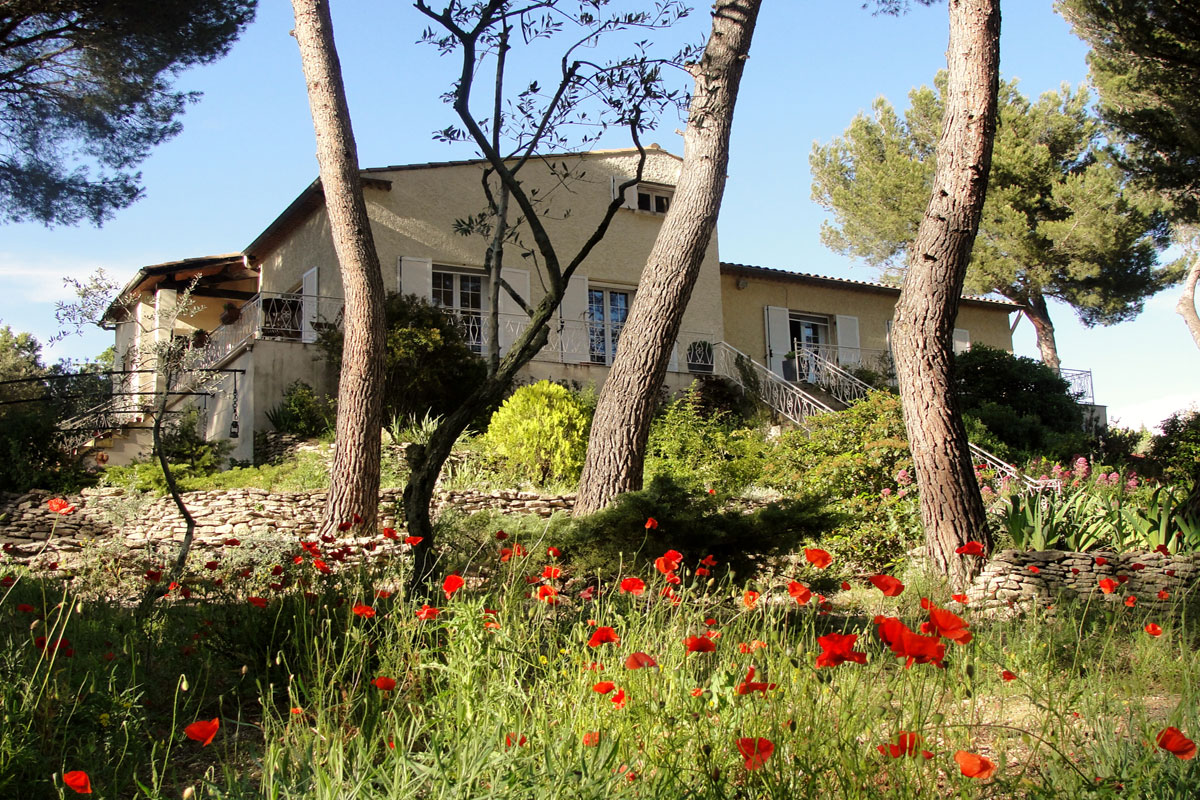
x=755 y=751
x=77 y=780
x=1173 y=741
x=618 y=699
x=1131 y=601
x=970 y=549
x=553 y=552
x=1136 y=567
x=591 y=738
x=588 y=593
x=817 y=557
x=668 y=562
x=603 y=687
x=651 y=523
x=1108 y=585
x=413 y=540
x=384 y=683
x=428 y=612
x=390 y=533
x=1008 y=676
x=699 y=644
x=949 y=625
x=1034 y=570
x=551 y=572
x=750 y=598
x=202 y=731
x=344 y=526
x=501 y=536
x=906 y=745
x=363 y=611
x=639 y=660
x=708 y=561
x=603 y=635
x=452 y=584
x=232 y=542
x=838 y=648
x=1162 y=548
x=917 y=649
x=1163 y=594
x=974 y=766
x=887 y=584
x=697 y=692
x=634 y=586
x=512 y=738
x=548 y=595
x=153 y=575
x=383 y=594
x=60 y=506
x=1153 y=629
x=799 y=592
x=959 y=598
x=260 y=602
x=25 y=608
x=750 y=685
x=1100 y=562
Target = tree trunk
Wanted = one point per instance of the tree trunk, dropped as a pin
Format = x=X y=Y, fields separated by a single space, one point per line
x=354 y=480
x=1038 y=312
x=1186 y=307
x=951 y=508
x=617 y=449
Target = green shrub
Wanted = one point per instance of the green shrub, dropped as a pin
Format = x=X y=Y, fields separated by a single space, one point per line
x=1176 y=453
x=303 y=412
x=856 y=451
x=700 y=450
x=428 y=367
x=540 y=434
x=689 y=521
x=1020 y=400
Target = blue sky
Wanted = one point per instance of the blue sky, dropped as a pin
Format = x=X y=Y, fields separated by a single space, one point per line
x=247 y=149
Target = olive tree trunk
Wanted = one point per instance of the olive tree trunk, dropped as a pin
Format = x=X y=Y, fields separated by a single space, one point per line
x=354 y=479
x=951 y=508
x=617 y=448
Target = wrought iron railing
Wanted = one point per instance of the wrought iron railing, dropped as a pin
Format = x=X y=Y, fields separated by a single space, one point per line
x=269 y=315
x=1079 y=383
x=779 y=394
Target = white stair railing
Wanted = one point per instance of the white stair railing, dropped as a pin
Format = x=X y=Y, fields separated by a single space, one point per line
x=772 y=389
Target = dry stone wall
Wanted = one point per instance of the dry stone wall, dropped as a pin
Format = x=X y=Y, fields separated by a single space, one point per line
x=109 y=514
x=1013 y=577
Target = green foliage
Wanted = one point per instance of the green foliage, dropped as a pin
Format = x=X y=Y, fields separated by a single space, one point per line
x=1176 y=452
x=87 y=86
x=856 y=451
x=1022 y=402
x=540 y=433
x=700 y=449
x=303 y=412
x=428 y=367
x=1145 y=64
x=1058 y=221
x=692 y=522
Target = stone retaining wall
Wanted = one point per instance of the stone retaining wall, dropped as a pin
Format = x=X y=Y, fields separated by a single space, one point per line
x=1015 y=577
x=26 y=522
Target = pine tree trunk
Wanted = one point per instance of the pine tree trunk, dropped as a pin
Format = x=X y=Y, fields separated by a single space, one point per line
x=617 y=448
x=354 y=480
x=1186 y=307
x=1038 y=313
x=951 y=508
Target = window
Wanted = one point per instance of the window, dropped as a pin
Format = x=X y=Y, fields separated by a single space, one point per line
x=462 y=295
x=607 y=311
x=656 y=201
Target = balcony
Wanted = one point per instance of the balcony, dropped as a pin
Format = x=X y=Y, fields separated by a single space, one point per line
x=269 y=315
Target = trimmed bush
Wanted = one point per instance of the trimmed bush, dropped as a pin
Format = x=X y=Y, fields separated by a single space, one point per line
x=540 y=434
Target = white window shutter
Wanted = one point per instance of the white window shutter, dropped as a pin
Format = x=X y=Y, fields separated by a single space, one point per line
x=309 y=302
x=962 y=340
x=847 y=337
x=779 y=336
x=573 y=326
x=630 y=193
x=673 y=364
x=416 y=277
x=512 y=317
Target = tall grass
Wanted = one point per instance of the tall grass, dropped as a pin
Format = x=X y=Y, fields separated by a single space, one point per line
x=494 y=696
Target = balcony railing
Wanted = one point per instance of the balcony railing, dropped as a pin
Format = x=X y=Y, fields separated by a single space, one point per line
x=581 y=341
x=269 y=315
x=1080 y=383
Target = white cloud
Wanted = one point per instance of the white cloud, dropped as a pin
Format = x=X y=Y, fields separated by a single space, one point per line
x=1149 y=413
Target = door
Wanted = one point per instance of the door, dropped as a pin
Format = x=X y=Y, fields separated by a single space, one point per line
x=607 y=312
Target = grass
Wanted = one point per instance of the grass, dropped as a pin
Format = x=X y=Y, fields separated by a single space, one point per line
x=294 y=685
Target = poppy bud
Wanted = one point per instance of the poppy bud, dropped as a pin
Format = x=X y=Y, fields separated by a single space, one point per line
x=971 y=671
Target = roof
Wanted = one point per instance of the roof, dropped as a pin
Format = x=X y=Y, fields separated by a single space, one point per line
x=770 y=273
x=182 y=269
x=313 y=198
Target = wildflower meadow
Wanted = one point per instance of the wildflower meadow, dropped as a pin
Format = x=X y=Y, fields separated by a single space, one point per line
x=308 y=672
